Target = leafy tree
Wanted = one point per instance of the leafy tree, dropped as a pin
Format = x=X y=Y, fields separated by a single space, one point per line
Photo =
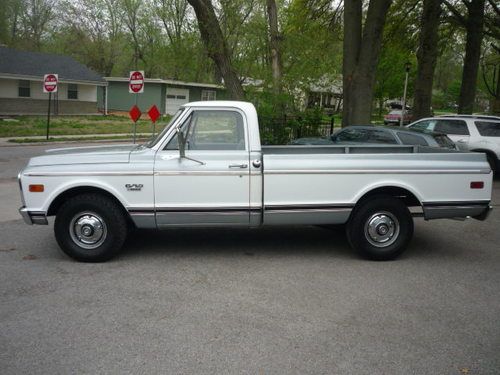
x=427 y=55
x=216 y=46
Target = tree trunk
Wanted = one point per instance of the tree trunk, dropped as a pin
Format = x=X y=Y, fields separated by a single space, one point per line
x=351 y=46
x=426 y=57
x=275 y=44
x=361 y=53
x=474 y=27
x=495 y=107
x=216 y=46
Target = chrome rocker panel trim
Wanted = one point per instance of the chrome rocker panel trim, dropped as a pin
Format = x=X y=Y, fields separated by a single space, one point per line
x=450 y=210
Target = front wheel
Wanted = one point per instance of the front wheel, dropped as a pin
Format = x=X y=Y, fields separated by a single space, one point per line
x=90 y=228
x=380 y=228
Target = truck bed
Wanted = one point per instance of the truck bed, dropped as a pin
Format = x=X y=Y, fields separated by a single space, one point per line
x=312 y=184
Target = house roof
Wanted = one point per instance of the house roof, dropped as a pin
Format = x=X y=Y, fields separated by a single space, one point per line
x=167 y=81
x=35 y=64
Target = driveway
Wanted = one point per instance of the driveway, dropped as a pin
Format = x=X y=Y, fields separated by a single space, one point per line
x=268 y=301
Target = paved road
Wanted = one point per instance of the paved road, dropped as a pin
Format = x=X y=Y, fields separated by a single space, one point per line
x=267 y=301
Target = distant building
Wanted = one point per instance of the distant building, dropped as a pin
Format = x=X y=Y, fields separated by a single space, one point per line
x=167 y=94
x=325 y=93
x=21 y=89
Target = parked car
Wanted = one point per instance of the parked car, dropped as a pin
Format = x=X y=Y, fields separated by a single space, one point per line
x=470 y=133
x=208 y=168
x=394 y=117
x=352 y=135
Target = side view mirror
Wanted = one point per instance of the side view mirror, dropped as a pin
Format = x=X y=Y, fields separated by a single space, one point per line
x=181 y=141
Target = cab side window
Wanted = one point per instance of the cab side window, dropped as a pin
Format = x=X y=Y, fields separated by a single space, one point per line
x=212 y=130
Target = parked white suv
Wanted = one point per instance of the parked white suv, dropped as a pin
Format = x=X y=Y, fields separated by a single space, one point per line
x=470 y=133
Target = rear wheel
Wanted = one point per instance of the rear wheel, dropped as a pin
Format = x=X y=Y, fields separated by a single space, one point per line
x=380 y=228
x=90 y=228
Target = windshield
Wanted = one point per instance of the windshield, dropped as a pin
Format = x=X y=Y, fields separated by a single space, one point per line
x=160 y=135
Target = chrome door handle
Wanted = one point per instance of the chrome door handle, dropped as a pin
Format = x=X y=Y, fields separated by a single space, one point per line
x=241 y=166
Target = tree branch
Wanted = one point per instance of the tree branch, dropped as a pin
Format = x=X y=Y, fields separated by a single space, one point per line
x=457 y=15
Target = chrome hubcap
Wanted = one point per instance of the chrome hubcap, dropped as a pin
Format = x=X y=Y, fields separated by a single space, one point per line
x=88 y=230
x=382 y=229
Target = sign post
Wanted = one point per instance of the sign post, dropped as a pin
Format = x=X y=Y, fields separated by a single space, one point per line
x=136 y=86
x=153 y=115
x=49 y=86
x=135 y=114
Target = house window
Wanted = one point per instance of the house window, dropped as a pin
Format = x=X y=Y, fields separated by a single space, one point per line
x=24 y=90
x=72 y=91
x=207 y=95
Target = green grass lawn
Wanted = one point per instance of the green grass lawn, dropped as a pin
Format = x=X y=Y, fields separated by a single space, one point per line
x=75 y=125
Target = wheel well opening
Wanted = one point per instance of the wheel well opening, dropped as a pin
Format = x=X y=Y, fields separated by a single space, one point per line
x=487 y=152
x=73 y=192
x=406 y=196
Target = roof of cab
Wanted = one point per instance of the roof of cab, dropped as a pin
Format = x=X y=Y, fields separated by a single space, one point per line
x=222 y=103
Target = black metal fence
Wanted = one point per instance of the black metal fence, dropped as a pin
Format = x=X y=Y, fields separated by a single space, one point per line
x=282 y=130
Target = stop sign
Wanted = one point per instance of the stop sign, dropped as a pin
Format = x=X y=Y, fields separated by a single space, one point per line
x=50 y=83
x=136 y=82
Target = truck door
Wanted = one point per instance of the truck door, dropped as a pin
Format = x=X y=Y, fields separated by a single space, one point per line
x=211 y=186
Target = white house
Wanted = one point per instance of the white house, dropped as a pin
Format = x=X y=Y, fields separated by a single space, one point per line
x=21 y=84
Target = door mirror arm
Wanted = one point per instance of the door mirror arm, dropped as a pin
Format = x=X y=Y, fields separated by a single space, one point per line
x=182 y=141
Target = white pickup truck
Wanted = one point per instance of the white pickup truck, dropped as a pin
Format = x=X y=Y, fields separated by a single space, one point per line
x=208 y=168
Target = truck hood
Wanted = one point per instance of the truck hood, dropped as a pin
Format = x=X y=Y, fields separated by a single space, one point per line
x=84 y=155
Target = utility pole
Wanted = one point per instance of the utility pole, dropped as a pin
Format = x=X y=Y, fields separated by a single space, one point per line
x=403 y=108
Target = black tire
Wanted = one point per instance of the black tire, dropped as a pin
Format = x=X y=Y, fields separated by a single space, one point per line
x=370 y=241
x=98 y=217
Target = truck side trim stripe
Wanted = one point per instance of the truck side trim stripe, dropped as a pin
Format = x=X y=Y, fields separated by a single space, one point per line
x=192 y=209
x=459 y=203
x=377 y=171
x=308 y=207
x=100 y=173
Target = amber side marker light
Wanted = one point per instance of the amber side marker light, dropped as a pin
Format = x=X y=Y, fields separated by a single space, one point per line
x=36 y=188
x=477 y=185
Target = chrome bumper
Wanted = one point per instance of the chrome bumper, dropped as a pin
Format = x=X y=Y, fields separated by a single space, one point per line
x=31 y=217
x=479 y=211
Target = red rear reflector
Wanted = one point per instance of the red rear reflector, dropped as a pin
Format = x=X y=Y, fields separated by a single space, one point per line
x=477 y=185
x=36 y=188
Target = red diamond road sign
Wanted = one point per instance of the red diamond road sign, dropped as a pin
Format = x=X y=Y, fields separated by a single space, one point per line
x=136 y=82
x=135 y=113
x=154 y=113
x=50 y=83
